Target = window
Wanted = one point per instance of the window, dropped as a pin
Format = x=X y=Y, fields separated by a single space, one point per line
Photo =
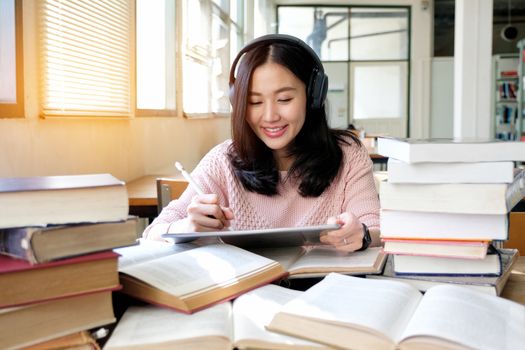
x=212 y=34
x=11 y=59
x=86 y=57
x=365 y=51
x=156 y=57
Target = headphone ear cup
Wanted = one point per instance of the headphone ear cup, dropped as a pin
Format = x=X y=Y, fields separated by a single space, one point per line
x=318 y=89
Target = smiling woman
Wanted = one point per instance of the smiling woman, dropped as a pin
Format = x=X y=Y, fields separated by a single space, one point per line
x=284 y=166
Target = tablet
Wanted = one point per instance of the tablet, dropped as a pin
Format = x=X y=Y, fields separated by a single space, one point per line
x=272 y=237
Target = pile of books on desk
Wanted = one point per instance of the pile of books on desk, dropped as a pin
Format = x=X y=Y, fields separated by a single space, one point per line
x=57 y=267
x=444 y=205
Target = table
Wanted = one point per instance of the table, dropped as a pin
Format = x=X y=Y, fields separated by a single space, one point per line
x=515 y=287
x=142 y=196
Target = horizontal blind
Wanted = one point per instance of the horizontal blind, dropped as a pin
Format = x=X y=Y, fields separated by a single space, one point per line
x=86 y=57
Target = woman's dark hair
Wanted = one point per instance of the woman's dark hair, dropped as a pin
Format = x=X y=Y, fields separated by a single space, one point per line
x=316 y=148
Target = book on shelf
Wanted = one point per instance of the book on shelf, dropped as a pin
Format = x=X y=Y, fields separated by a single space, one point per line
x=36 y=323
x=454 y=198
x=81 y=340
x=197 y=278
x=240 y=324
x=458 y=172
x=44 y=200
x=487 y=284
x=490 y=265
x=43 y=244
x=447 y=226
x=319 y=260
x=436 y=248
x=23 y=283
x=359 y=313
x=448 y=150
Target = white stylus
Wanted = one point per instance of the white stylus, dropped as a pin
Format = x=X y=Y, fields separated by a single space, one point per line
x=189 y=178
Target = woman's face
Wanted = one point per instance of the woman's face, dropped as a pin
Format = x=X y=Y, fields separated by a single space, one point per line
x=276 y=108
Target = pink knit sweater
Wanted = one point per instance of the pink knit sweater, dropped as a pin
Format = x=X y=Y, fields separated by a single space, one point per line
x=353 y=190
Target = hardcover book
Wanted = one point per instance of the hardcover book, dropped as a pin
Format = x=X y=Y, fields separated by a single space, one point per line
x=487 y=284
x=436 y=248
x=359 y=313
x=451 y=150
x=453 y=198
x=36 y=323
x=40 y=201
x=239 y=325
x=198 y=278
x=22 y=283
x=443 y=226
x=479 y=172
x=43 y=244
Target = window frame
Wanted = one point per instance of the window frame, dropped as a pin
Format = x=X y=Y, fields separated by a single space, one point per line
x=17 y=110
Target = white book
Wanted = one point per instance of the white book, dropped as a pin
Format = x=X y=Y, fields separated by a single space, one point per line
x=451 y=150
x=433 y=225
x=453 y=198
x=430 y=265
x=480 y=172
x=222 y=326
x=360 y=313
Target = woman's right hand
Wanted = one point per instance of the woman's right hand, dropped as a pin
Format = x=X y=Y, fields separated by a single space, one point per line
x=205 y=214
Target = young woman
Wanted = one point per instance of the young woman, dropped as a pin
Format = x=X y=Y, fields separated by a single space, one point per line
x=284 y=166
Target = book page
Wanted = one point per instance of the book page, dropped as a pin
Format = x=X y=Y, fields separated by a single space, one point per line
x=141 y=325
x=285 y=256
x=148 y=250
x=384 y=306
x=197 y=269
x=253 y=311
x=329 y=258
x=474 y=319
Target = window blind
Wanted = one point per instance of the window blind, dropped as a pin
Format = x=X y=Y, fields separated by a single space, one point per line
x=86 y=57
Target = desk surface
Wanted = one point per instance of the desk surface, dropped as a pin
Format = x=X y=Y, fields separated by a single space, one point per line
x=143 y=191
x=515 y=287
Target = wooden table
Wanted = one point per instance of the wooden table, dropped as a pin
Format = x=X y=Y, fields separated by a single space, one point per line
x=515 y=287
x=142 y=195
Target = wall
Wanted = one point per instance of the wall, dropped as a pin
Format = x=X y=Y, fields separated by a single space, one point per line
x=125 y=148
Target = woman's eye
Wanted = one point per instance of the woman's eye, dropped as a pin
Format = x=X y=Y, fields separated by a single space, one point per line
x=253 y=103
x=284 y=100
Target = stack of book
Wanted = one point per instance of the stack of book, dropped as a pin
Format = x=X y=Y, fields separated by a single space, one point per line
x=445 y=201
x=57 y=267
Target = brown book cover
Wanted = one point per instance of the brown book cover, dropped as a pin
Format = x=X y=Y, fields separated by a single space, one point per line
x=36 y=323
x=22 y=283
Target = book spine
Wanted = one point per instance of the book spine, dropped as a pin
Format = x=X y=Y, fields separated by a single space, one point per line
x=515 y=191
x=17 y=243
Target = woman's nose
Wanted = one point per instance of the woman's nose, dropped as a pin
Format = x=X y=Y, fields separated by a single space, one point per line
x=271 y=112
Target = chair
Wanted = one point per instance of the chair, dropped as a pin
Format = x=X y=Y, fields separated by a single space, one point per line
x=169 y=189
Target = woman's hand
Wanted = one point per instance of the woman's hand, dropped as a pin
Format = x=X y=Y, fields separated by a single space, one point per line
x=205 y=214
x=349 y=237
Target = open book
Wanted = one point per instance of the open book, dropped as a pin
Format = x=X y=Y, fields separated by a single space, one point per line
x=319 y=260
x=197 y=278
x=357 y=313
x=222 y=326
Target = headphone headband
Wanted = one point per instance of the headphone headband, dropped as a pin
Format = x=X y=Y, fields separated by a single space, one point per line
x=318 y=85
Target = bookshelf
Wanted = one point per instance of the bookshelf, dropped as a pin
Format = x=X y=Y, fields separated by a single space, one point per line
x=521 y=83
x=506 y=83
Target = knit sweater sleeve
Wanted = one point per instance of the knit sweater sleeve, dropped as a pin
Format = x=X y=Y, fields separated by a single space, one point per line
x=361 y=197
x=210 y=174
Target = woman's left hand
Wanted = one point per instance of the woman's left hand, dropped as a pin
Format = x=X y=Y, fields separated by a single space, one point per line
x=349 y=237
